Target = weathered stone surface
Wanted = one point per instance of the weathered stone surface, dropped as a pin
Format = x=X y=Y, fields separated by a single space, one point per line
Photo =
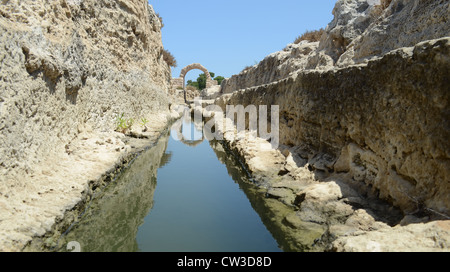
x=310 y=213
x=68 y=68
x=377 y=142
x=350 y=21
x=274 y=67
x=211 y=92
x=118 y=208
x=429 y=237
x=361 y=30
x=365 y=110
x=381 y=125
x=403 y=24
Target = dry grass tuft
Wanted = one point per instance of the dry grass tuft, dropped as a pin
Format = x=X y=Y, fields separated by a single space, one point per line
x=378 y=10
x=169 y=58
x=247 y=68
x=312 y=36
x=160 y=19
x=385 y=3
x=191 y=88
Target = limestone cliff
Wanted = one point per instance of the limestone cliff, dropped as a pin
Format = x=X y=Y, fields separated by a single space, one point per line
x=68 y=68
x=360 y=31
x=388 y=132
x=274 y=67
x=367 y=105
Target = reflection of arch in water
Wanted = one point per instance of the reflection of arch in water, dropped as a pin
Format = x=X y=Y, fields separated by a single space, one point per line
x=192 y=143
x=178 y=135
x=200 y=126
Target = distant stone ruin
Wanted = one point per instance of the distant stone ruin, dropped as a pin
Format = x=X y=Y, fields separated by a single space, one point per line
x=180 y=82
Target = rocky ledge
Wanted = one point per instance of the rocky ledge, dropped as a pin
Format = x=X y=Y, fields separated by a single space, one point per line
x=363 y=127
x=352 y=171
x=68 y=71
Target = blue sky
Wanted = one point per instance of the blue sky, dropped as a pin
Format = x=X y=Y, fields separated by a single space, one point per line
x=226 y=36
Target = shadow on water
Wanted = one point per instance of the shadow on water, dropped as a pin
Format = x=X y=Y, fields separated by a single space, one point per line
x=271 y=211
x=184 y=194
x=110 y=223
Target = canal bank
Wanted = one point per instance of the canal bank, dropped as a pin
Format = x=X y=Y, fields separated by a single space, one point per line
x=184 y=193
x=145 y=211
x=327 y=213
x=110 y=154
x=180 y=195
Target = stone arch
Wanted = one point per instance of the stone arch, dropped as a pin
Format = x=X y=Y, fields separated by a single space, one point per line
x=209 y=81
x=193 y=66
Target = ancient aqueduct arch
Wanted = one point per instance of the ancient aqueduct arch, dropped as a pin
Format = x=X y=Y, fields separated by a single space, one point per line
x=181 y=81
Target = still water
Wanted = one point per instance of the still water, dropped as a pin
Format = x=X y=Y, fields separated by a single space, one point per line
x=177 y=196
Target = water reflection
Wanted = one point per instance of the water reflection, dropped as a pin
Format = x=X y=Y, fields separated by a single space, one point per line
x=111 y=222
x=186 y=131
x=271 y=211
x=197 y=205
x=175 y=198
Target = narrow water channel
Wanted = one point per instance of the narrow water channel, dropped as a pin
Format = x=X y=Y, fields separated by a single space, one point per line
x=177 y=196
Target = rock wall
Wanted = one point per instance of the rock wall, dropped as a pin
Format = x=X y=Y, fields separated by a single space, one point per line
x=360 y=31
x=274 y=67
x=68 y=68
x=387 y=132
x=403 y=24
x=370 y=99
x=67 y=64
x=120 y=208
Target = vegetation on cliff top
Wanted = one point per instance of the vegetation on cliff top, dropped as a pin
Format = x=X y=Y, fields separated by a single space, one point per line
x=160 y=19
x=385 y=3
x=311 y=36
x=169 y=58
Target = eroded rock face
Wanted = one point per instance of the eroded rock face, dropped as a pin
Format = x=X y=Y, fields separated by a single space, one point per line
x=67 y=65
x=403 y=24
x=360 y=31
x=373 y=121
x=347 y=167
x=351 y=19
x=68 y=68
x=384 y=121
x=119 y=208
x=433 y=237
x=274 y=67
x=365 y=109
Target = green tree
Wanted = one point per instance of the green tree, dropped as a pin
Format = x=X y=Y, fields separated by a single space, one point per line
x=201 y=81
x=200 y=84
x=219 y=79
x=193 y=84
